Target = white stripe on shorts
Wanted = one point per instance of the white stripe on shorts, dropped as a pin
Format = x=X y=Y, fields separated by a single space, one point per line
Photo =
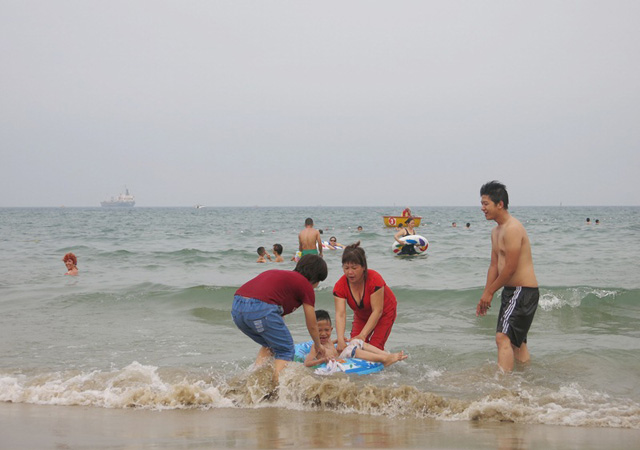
x=509 y=310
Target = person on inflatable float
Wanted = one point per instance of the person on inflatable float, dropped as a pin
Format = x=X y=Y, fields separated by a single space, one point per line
x=407 y=249
x=356 y=348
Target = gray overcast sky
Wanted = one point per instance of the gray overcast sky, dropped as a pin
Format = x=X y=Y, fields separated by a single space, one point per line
x=229 y=103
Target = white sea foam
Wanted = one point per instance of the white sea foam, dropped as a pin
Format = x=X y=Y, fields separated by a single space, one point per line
x=569 y=405
x=136 y=385
x=141 y=386
x=571 y=297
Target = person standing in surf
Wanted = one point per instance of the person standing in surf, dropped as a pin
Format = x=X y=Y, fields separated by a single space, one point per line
x=260 y=304
x=511 y=267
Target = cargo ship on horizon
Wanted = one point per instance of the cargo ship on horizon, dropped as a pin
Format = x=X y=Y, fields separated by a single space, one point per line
x=122 y=200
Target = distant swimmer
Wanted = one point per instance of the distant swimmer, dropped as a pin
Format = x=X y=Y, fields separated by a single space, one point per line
x=588 y=221
x=597 y=221
x=310 y=242
x=359 y=227
x=512 y=268
x=468 y=225
x=454 y=225
x=263 y=255
x=277 y=252
x=333 y=243
x=71 y=262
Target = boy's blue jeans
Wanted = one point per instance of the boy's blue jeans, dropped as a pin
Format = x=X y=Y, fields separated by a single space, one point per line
x=263 y=323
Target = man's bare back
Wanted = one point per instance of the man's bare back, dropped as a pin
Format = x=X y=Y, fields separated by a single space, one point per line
x=309 y=238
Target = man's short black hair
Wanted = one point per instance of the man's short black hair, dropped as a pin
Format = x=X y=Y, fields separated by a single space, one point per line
x=497 y=192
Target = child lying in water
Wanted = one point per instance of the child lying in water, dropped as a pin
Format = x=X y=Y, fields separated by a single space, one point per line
x=356 y=348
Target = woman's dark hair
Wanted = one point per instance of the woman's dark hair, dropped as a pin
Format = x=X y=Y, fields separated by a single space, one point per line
x=354 y=254
x=313 y=268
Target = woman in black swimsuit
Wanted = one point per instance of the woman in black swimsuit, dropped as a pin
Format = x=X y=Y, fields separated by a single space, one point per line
x=407 y=249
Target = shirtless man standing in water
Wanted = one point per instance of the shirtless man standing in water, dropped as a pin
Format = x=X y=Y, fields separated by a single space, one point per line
x=309 y=239
x=512 y=268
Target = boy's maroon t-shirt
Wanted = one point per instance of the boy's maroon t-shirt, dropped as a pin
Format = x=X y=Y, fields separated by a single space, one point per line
x=286 y=288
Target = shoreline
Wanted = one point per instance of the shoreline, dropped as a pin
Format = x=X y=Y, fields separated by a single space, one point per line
x=46 y=426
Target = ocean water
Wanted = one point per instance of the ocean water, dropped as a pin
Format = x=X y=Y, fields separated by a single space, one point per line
x=147 y=322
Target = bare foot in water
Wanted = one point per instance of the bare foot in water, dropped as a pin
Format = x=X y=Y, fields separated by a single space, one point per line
x=394 y=357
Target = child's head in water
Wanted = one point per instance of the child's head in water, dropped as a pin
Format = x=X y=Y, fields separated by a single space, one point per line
x=262 y=254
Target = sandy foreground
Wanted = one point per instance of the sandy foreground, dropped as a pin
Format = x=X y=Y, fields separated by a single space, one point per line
x=67 y=427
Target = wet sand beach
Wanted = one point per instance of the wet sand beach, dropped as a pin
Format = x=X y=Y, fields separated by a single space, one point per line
x=25 y=426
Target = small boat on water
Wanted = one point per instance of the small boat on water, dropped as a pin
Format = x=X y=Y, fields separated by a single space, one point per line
x=122 y=200
x=394 y=221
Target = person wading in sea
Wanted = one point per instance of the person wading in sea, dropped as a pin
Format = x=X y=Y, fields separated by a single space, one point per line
x=512 y=268
x=310 y=242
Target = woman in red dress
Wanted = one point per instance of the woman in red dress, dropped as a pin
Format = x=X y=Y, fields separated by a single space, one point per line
x=372 y=301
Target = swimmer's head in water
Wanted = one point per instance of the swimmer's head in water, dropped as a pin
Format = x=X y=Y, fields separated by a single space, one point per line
x=70 y=257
